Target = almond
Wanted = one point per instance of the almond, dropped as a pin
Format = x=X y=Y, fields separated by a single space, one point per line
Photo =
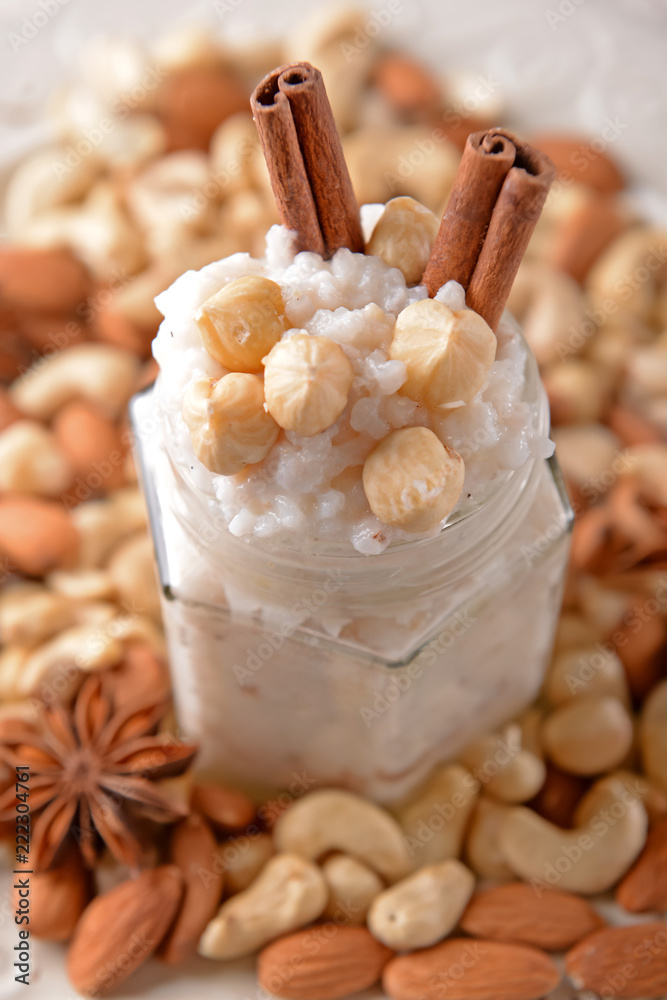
x=194 y=100
x=644 y=888
x=36 y=535
x=575 y=159
x=121 y=929
x=223 y=807
x=406 y=84
x=322 y=963
x=621 y=962
x=58 y=897
x=142 y=675
x=113 y=327
x=463 y=969
x=552 y=920
x=92 y=444
x=639 y=651
x=50 y=280
x=193 y=849
x=47 y=333
x=582 y=236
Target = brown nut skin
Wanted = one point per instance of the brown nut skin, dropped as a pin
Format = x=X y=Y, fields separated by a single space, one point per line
x=412 y=480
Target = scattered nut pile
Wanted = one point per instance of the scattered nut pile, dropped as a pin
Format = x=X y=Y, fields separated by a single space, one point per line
x=570 y=800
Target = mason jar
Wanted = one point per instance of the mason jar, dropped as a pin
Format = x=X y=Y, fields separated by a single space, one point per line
x=348 y=670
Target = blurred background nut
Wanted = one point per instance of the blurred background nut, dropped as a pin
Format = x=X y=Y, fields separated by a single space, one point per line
x=482 y=850
x=505 y=769
x=435 y=819
x=578 y=392
x=92 y=444
x=96 y=372
x=52 y=280
x=37 y=186
x=237 y=161
x=550 y=308
x=629 y=273
x=589 y=735
x=33 y=461
x=193 y=100
x=245 y=858
x=584 y=670
x=586 y=452
x=132 y=570
x=30 y=613
x=407 y=162
x=36 y=535
x=653 y=735
x=352 y=889
x=103 y=524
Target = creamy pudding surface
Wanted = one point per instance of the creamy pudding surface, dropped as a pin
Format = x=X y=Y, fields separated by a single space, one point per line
x=308 y=490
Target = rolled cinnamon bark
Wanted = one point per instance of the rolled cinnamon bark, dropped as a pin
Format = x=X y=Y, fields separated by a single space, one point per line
x=513 y=220
x=486 y=161
x=303 y=151
x=287 y=171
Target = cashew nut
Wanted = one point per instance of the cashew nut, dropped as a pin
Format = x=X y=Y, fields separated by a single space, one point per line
x=352 y=889
x=575 y=632
x=100 y=373
x=434 y=819
x=103 y=524
x=29 y=614
x=549 y=305
x=287 y=894
x=331 y=820
x=236 y=153
x=423 y=908
x=611 y=831
x=36 y=187
x=83 y=585
x=653 y=735
x=636 y=251
x=586 y=671
x=499 y=762
x=482 y=851
x=132 y=570
x=244 y=859
x=585 y=451
x=80 y=647
x=31 y=460
x=589 y=735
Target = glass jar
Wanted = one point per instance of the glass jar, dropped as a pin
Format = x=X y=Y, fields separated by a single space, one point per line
x=349 y=670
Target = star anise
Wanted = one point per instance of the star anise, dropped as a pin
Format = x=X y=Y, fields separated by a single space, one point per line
x=91 y=773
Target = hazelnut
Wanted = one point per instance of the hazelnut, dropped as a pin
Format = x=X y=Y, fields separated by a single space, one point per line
x=403 y=237
x=229 y=426
x=242 y=322
x=412 y=480
x=447 y=354
x=307 y=381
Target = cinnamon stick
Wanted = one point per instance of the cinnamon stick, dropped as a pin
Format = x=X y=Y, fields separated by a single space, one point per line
x=513 y=220
x=485 y=163
x=287 y=171
x=304 y=155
